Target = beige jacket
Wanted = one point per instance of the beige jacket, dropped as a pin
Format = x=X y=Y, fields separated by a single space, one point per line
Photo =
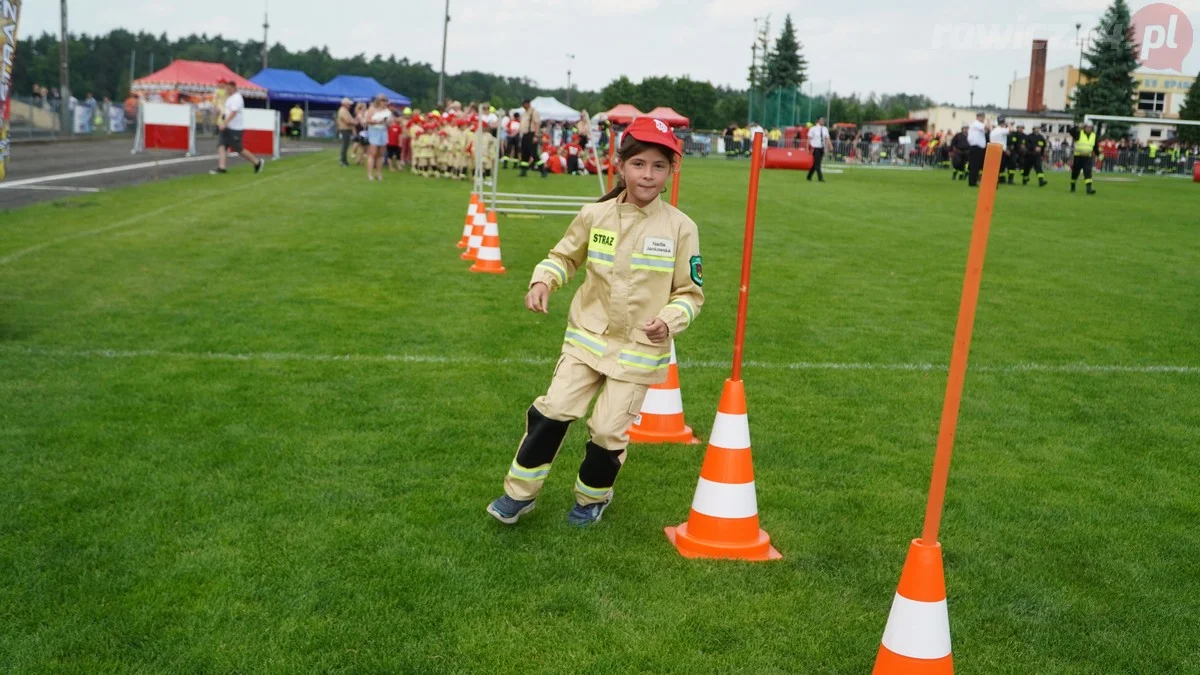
x=641 y=263
x=530 y=120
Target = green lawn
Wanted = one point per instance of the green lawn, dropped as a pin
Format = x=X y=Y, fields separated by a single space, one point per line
x=251 y=423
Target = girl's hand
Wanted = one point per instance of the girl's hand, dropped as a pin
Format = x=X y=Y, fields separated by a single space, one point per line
x=538 y=298
x=656 y=329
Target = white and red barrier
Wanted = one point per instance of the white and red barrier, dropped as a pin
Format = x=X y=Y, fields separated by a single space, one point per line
x=261 y=134
x=166 y=126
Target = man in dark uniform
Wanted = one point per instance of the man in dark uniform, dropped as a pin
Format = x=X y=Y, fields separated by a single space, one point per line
x=1035 y=152
x=959 y=149
x=1086 y=149
x=1016 y=152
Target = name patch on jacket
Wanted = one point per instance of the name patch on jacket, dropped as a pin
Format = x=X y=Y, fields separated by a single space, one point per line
x=659 y=246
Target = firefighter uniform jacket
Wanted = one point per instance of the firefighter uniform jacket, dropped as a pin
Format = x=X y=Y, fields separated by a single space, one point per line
x=641 y=263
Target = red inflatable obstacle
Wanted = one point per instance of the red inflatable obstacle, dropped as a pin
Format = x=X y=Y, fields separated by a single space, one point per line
x=1196 y=171
x=788 y=158
x=166 y=126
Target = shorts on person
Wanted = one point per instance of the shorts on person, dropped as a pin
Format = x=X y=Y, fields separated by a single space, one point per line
x=231 y=139
x=377 y=135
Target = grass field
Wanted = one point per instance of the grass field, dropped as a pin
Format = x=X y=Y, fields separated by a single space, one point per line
x=251 y=423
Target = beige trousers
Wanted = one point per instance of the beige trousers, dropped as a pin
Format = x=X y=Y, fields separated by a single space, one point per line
x=572 y=388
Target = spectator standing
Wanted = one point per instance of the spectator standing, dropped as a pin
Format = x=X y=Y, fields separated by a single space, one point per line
x=977 y=139
x=818 y=140
x=345 y=128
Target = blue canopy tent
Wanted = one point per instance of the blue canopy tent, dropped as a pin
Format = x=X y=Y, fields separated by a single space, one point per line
x=293 y=85
x=358 y=88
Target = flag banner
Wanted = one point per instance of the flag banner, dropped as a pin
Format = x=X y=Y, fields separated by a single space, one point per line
x=9 y=11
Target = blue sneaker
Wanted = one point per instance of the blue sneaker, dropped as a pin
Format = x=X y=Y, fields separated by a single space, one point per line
x=582 y=516
x=508 y=510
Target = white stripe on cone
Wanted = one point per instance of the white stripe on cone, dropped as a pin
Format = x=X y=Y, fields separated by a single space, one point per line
x=480 y=218
x=488 y=253
x=475 y=241
x=673 y=361
x=467 y=230
x=662 y=402
x=490 y=229
x=725 y=500
x=731 y=432
x=918 y=630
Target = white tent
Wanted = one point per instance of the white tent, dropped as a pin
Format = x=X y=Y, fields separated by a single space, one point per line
x=552 y=110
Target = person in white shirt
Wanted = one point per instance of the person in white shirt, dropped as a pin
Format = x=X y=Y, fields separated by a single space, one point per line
x=231 y=131
x=1000 y=135
x=977 y=139
x=818 y=140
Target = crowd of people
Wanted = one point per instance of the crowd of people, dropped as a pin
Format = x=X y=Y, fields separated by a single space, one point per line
x=443 y=143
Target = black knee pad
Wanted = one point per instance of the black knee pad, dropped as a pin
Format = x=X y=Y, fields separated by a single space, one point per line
x=543 y=438
x=600 y=466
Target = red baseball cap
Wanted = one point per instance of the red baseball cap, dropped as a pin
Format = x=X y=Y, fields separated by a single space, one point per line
x=651 y=130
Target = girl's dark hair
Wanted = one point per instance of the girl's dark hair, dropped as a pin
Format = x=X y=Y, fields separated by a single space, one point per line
x=632 y=147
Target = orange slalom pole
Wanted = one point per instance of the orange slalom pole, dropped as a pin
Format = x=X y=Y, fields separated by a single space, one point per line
x=739 y=337
x=610 y=159
x=962 y=343
x=675 y=184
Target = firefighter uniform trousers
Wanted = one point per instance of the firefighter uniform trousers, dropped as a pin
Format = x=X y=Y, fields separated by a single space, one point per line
x=642 y=263
x=572 y=389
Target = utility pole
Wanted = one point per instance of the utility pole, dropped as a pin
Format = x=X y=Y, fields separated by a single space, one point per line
x=266 y=25
x=64 y=76
x=570 y=62
x=973 y=78
x=441 y=99
x=132 y=63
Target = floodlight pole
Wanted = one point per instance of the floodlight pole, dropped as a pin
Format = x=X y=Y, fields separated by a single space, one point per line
x=64 y=77
x=973 y=78
x=571 y=60
x=266 y=25
x=441 y=97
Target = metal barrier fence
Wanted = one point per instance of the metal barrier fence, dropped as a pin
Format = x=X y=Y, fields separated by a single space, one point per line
x=890 y=153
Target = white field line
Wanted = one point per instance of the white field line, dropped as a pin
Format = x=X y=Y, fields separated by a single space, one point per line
x=1067 y=368
x=100 y=172
x=51 y=188
x=17 y=255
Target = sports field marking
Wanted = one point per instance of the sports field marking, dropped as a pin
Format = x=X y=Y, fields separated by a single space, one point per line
x=17 y=255
x=100 y=172
x=1066 y=368
x=51 y=188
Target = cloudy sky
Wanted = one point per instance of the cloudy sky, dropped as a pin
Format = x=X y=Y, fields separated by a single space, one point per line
x=861 y=46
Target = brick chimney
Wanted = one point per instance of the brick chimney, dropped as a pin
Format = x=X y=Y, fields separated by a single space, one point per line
x=1037 y=77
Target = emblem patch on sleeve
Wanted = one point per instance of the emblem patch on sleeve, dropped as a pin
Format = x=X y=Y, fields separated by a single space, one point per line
x=697 y=271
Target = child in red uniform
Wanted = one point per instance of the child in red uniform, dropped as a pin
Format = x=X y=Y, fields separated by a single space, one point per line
x=393 y=144
x=573 y=150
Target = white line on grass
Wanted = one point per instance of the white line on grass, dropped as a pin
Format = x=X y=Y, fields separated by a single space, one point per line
x=17 y=255
x=101 y=172
x=1076 y=368
x=51 y=188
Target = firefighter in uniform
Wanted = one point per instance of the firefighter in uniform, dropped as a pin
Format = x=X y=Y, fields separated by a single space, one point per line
x=1035 y=152
x=643 y=287
x=531 y=126
x=1085 y=152
x=1016 y=152
x=959 y=149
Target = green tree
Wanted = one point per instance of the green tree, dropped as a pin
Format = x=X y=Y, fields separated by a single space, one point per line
x=785 y=66
x=1110 y=85
x=1190 y=111
x=620 y=90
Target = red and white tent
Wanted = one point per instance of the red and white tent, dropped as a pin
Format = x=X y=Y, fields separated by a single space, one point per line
x=623 y=113
x=669 y=116
x=195 y=77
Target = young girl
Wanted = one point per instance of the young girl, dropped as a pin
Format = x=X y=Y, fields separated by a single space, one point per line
x=643 y=286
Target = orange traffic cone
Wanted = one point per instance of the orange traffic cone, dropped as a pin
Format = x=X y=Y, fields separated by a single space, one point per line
x=723 y=522
x=916 y=640
x=488 y=259
x=472 y=208
x=476 y=238
x=661 y=420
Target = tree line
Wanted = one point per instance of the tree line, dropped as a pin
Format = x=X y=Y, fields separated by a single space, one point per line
x=100 y=64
